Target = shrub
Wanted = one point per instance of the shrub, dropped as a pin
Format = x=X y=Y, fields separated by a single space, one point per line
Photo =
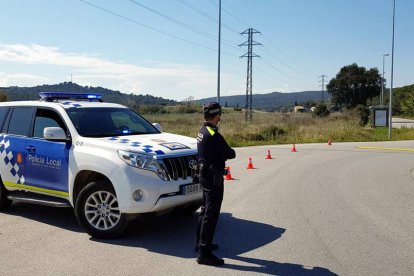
x=363 y=114
x=321 y=110
x=151 y=109
x=189 y=109
x=3 y=97
x=271 y=132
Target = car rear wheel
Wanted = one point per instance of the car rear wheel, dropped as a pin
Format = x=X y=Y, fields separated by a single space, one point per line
x=4 y=201
x=97 y=211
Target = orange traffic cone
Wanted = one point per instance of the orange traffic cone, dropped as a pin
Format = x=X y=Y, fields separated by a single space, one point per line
x=228 y=174
x=329 y=142
x=294 y=148
x=268 y=156
x=250 y=165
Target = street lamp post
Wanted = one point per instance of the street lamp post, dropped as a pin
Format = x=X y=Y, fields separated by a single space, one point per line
x=392 y=75
x=218 y=57
x=382 y=80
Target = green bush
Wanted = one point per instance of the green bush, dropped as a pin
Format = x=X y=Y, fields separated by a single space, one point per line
x=3 y=97
x=363 y=114
x=189 y=108
x=272 y=131
x=321 y=110
x=151 y=109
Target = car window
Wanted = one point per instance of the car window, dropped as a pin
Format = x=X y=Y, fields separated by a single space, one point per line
x=3 y=113
x=21 y=120
x=46 y=118
x=126 y=122
x=107 y=122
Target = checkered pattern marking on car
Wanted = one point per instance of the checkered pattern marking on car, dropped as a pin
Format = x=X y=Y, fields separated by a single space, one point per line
x=138 y=145
x=10 y=162
x=71 y=104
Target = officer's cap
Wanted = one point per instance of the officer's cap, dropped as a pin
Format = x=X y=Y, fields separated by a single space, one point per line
x=211 y=109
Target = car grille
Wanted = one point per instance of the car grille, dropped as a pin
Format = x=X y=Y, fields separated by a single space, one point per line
x=178 y=167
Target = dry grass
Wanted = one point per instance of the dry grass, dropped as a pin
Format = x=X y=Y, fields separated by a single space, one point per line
x=276 y=128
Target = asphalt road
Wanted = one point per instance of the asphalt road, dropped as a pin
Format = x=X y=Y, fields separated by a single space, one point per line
x=324 y=210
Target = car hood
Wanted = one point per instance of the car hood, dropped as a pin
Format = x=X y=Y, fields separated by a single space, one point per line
x=161 y=144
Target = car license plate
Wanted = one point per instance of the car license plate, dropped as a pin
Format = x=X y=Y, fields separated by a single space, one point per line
x=190 y=189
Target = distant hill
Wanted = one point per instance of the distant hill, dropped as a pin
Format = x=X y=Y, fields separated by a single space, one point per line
x=271 y=101
x=15 y=93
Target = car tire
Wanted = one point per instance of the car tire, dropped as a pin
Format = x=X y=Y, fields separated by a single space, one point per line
x=97 y=211
x=4 y=201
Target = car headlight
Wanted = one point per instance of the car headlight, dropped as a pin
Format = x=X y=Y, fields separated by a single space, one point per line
x=143 y=161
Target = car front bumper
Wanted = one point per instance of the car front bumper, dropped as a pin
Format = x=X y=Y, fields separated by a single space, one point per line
x=158 y=195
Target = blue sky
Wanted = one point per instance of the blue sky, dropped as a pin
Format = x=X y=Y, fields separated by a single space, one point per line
x=104 y=43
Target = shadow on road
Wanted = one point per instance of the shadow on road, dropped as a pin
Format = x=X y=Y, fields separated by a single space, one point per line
x=175 y=236
x=275 y=268
x=59 y=217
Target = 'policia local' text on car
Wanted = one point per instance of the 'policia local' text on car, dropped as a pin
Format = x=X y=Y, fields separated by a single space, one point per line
x=103 y=159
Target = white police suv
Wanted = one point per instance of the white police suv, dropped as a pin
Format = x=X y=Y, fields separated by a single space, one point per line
x=103 y=159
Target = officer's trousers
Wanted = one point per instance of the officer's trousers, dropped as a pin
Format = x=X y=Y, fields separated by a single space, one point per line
x=213 y=190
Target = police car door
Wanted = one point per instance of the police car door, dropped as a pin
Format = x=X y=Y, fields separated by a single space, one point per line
x=47 y=161
x=15 y=130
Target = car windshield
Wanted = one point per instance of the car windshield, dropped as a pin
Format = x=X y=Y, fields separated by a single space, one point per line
x=107 y=122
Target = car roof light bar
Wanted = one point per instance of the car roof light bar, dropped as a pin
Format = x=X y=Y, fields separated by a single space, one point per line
x=52 y=96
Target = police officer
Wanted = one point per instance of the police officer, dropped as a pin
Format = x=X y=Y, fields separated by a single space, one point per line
x=213 y=151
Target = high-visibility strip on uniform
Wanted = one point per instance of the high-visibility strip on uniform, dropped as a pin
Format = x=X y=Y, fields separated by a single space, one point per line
x=37 y=189
x=212 y=132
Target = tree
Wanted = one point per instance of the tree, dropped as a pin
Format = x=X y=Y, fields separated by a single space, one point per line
x=354 y=85
x=3 y=97
x=406 y=103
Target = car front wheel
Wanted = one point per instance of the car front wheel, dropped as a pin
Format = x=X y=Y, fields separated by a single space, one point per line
x=97 y=211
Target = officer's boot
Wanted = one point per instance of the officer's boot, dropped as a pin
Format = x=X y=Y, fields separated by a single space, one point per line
x=214 y=246
x=205 y=257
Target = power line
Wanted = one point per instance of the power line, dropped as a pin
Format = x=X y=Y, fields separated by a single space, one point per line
x=282 y=52
x=273 y=45
x=276 y=69
x=229 y=13
x=178 y=22
x=323 y=88
x=279 y=59
x=249 y=83
x=311 y=73
x=297 y=73
x=152 y=28
x=268 y=74
x=206 y=15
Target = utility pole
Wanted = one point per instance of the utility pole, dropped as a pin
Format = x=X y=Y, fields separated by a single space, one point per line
x=392 y=75
x=323 y=87
x=219 y=50
x=249 y=82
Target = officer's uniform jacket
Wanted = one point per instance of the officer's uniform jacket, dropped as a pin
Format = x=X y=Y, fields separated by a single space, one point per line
x=213 y=150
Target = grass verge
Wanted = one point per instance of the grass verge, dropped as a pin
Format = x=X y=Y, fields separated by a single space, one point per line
x=276 y=128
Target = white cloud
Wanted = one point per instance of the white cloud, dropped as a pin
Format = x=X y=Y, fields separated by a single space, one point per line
x=175 y=81
x=18 y=79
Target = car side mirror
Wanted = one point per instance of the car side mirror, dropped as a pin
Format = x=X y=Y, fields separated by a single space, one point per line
x=157 y=126
x=54 y=133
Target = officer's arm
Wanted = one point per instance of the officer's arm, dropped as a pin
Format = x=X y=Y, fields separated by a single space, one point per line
x=225 y=150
